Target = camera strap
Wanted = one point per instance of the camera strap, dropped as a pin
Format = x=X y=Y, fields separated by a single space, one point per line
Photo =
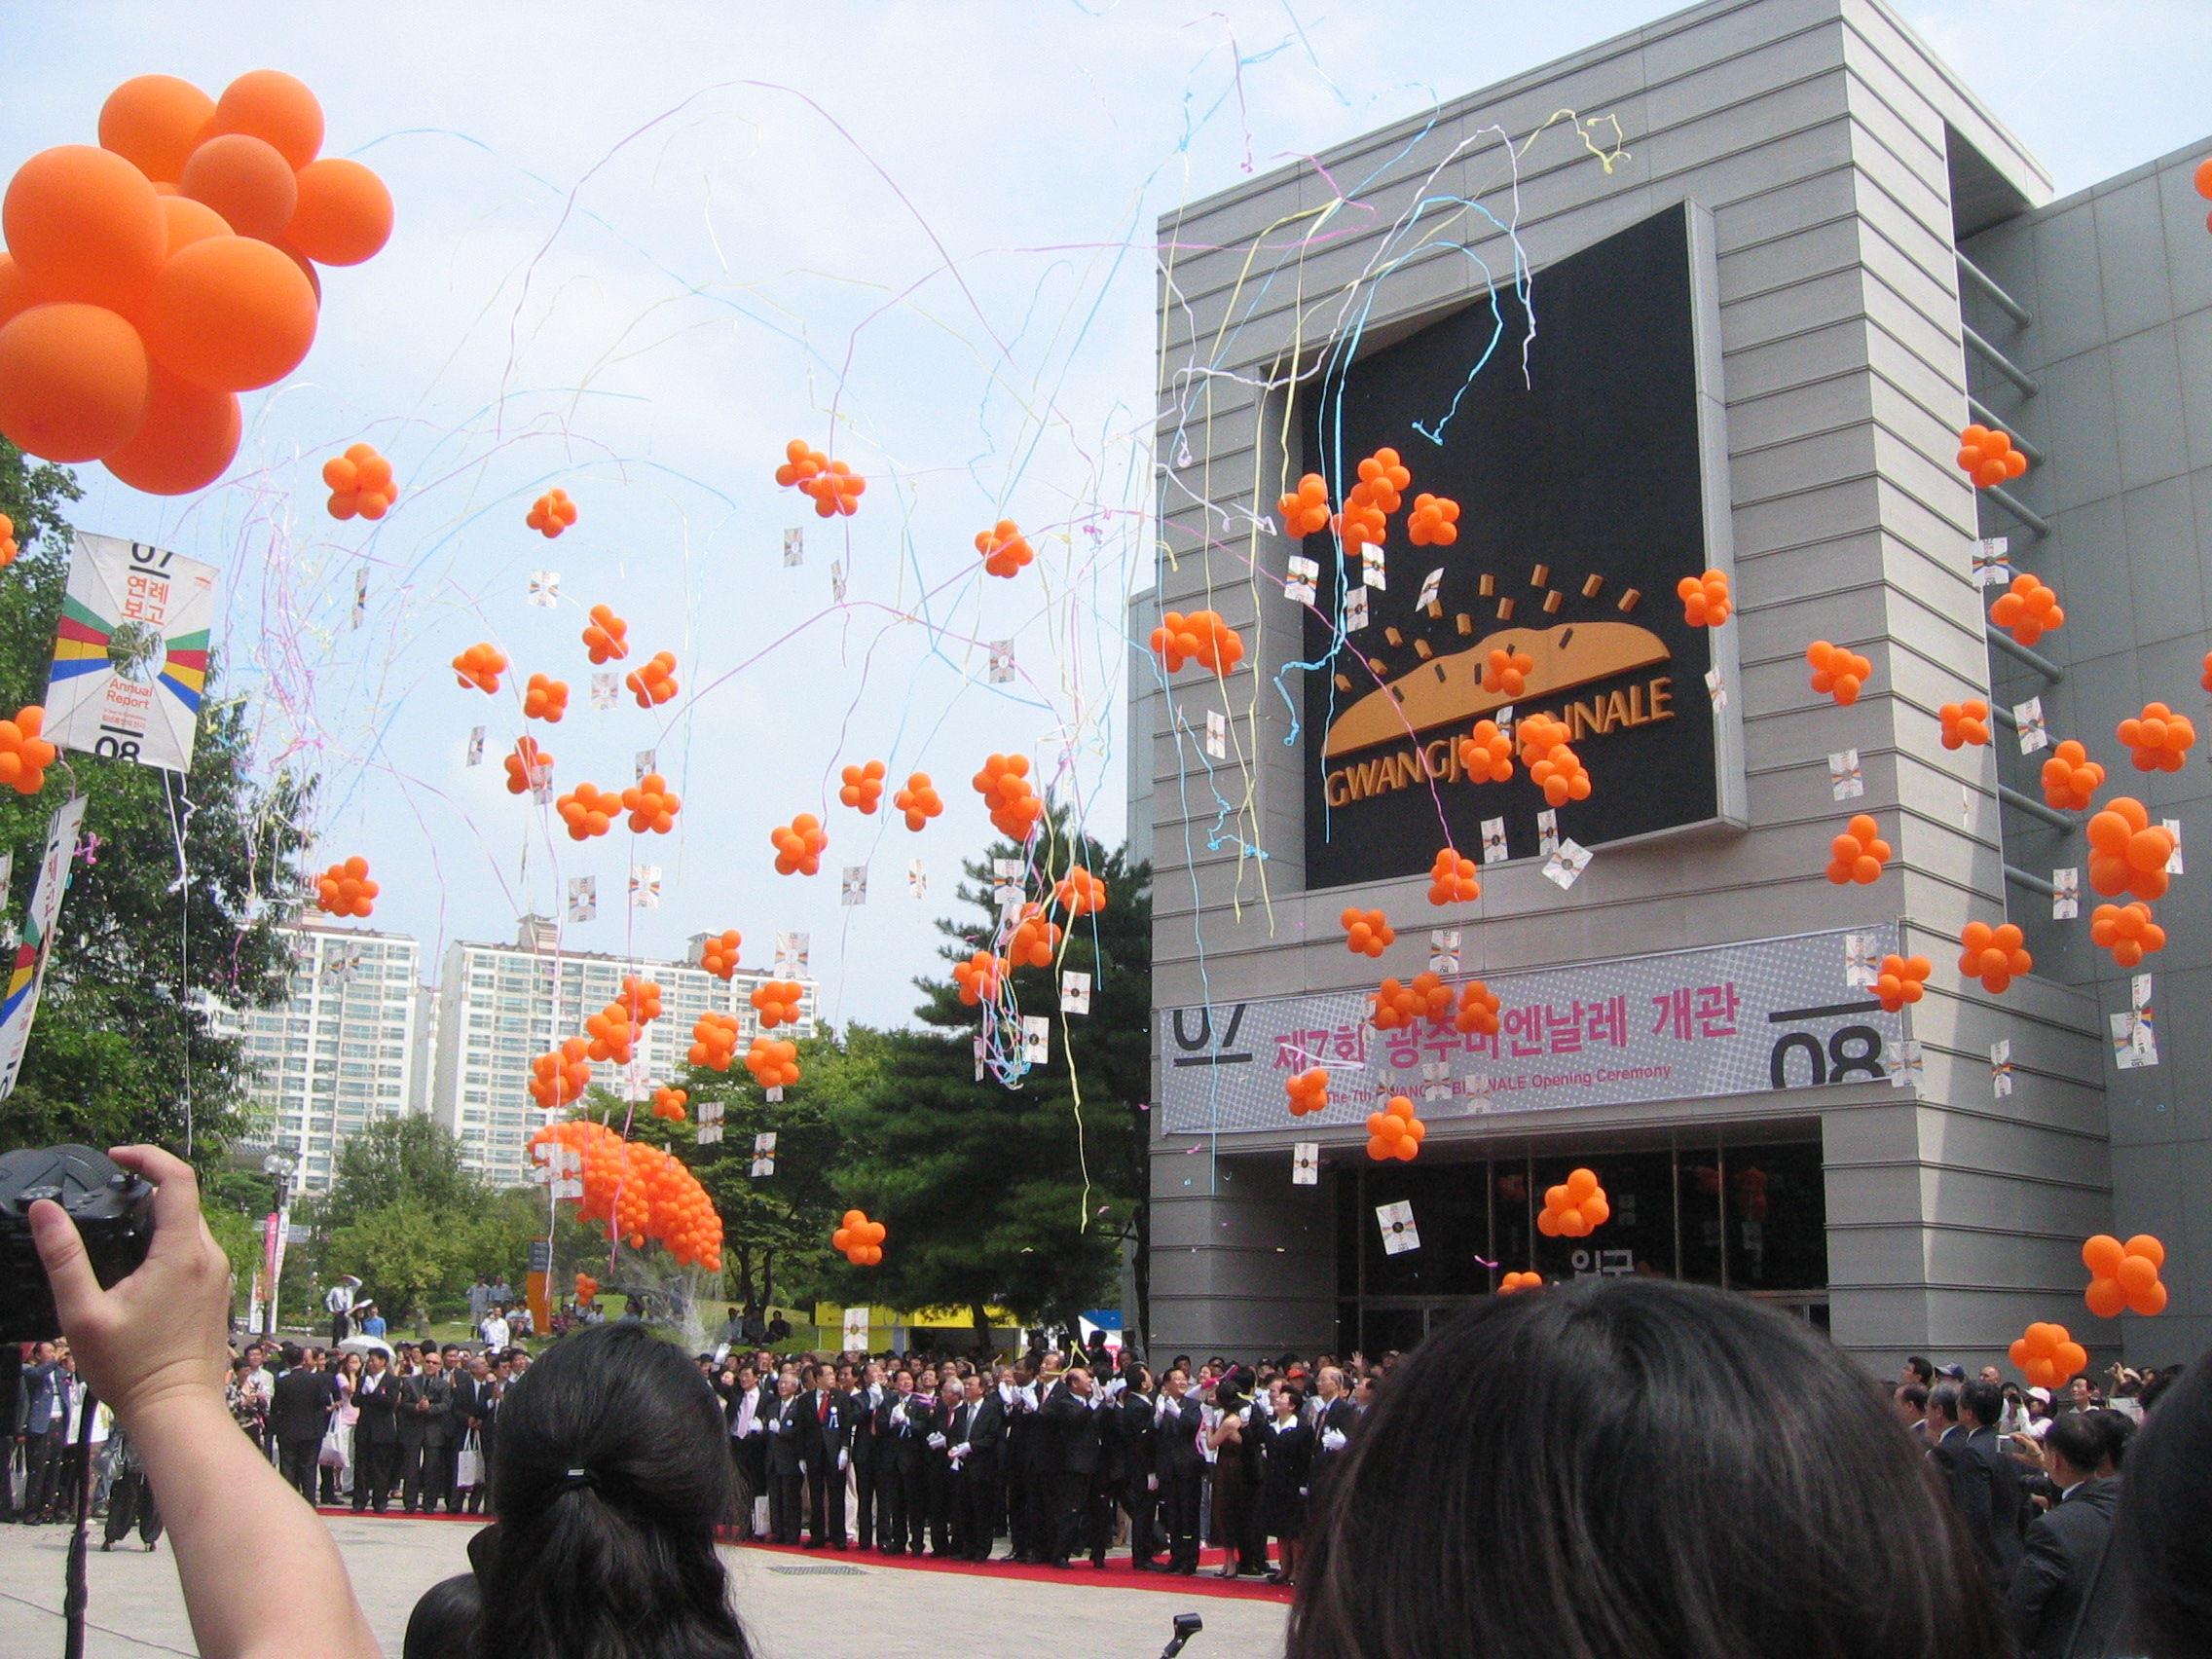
x=73 y=1592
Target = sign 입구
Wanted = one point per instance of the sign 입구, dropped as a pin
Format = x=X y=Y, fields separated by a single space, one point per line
x=130 y=652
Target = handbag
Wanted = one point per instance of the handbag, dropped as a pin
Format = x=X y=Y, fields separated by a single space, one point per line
x=468 y=1468
x=332 y=1455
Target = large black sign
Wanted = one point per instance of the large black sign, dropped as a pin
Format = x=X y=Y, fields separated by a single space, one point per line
x=1581 y=509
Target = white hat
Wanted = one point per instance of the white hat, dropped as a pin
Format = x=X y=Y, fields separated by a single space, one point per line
x=2043 y=1394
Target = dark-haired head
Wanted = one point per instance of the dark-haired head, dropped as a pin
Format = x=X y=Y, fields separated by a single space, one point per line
x=1635 y=1468
x=2162 y=1538
x=610 y=1478
x=443 y=1624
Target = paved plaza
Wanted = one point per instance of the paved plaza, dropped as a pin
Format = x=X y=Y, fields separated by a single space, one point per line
x=793 y=1606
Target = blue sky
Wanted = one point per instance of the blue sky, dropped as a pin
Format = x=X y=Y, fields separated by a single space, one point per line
x=639 y=248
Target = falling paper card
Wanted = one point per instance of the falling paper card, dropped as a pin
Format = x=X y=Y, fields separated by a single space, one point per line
x=1397 y=1224
x=1547 y=832
x=764 y=1154
x=854 y=890
x=583 y=897
x=1002 y=662
x=1304 y=574
x=475 y=746
x=917 y=879
x=568 y=1187
x=2139 y=990
x=1716 y=687
x=1305 y=1163
x=2134 y=1045
x=545 y=589
x=1844 y=775
x=541 y=777
x=1008 y=870
x=1356 y=610
x=1565 y=867
x=1911 y=1064
x=837 y=581
x=708 y=1112
x=791 y=956
x=632 y=1086
x=2172 y=826
x=1008 y=897
x=644 y=887
x=1444 y=950
x=647 y=762
x=1371 y=568
x=982 y=1050
x=795 y=547
x=1217 y=734
x=1036 y=1039
x=1493 y=841
x=1075 y=991
x=360 y=596
x=710 y=1134
x=2065 y=894
x=605 y=689
x=1991 y=567
x=7 y=876
x=2028 y=718
x=2001 y=1067
x=1430 y=586
x=1861 y=958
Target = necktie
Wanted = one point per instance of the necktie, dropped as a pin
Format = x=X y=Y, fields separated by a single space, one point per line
x=824 y=1407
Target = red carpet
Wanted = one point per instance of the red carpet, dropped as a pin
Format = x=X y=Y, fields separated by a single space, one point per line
x=1117 y=1576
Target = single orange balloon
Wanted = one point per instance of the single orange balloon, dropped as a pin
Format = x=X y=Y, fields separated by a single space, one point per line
x=275 y=108
x=84 y=224
x=230 y=314
x=345 y=213
x=189 y=436
x=247 y=181
x=191 y=221
x=2105 y=1297
x=153 y=122
x=2146 y=1244
x=2102 y=1255
x=74 y=382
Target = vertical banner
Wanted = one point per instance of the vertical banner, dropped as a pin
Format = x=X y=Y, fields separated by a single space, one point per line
x=19 y=1003
x=131 y=654
x=537 y=1287
x=855 y=1334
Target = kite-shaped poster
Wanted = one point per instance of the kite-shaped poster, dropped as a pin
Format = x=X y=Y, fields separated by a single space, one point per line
x=131 y=655
x=1399 y=1234
x=764 y=1153
x=28 y=971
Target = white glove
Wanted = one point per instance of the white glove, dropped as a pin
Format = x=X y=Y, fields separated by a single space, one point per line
x=1152 y=1483
x=1301 y=1492
x=802 y=1465
x=899 y=1413
x=1333 y=1439
x=937 y=1442
x=843 y=1460
x=961 y=1450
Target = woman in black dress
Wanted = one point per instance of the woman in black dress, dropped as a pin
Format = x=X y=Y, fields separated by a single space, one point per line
x=1286 y=1453
x=1236 y=1513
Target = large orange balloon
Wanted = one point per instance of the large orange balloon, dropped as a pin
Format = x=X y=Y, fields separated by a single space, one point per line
x=191 y=221
x=14 y=288
x=272 y=106
x=247 y=181
x=345 y=213
x=153 y=122
x=73 y=382
x=188 y=437
x=84 y=224
x=230 y=314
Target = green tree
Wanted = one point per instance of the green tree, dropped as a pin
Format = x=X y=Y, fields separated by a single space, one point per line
x=396 y=1159
x=407 y=1253
x=178 y=902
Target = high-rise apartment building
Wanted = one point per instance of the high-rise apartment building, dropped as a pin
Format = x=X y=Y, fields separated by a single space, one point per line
x=501 y=1004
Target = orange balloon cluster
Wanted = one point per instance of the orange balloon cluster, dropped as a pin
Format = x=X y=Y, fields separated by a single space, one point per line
x=1305 y=512
x=918 y=800
x=24 y=756
x=1005 y=549
x=1394 y=1132
x=640 y=1193
x=2124 y=1276
x=860 y=1240
x=588 y=810
x=1201 y=636
x=799 y=845
x=1994 y=955
x=612 y=1036
x=545 y=699
x=1308 y=1092
x=1035 y=940
x=149 y=280
x=1080 y=892
x=551 y=513
x=670 y=1102
x=719 y=955
x=8 y=548
x=2127 y=931
x=651 y=804
x=1575 y=1208
x=1508 y=672
x=2127 y=853
x=1004 y=784
x=343 y=889
x=1704 y=599
x=1367 y=932
x=833 y=486
x=480 y=666
x=979 y=976
x=1360 y=523
x=1452 y=879
x=2159 y=736
x=1478 y=1009
x=2049 y=1356
x=1513 y=1284
x=2070 y=778
x=1487 y=756
x=1902 y=979
x=359 y=482
x=604 y=634
x=562 y=1076
x=777 y=1003
x=714 y=1042
x=773 y=1062
x=653 y=683
x=1434 y=522
x=641 y=1000
x=1988 y=457
x=1859 y=853
x=1836 y=672
x=2029 y=609
x=1553 y=765
x=528 y=764
x=1372 y=500
x=1965 y=723
x=1397 y=1006
x=587 y=1290
x=864 y=787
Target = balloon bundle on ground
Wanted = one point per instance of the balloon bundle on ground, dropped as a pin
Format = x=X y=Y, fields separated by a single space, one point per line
x=642 y=1192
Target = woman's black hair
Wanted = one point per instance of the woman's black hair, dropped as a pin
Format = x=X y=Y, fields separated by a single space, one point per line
x=609 y=1476
x=1621 y=1466
x=2161 y=1538
x=443 y=1624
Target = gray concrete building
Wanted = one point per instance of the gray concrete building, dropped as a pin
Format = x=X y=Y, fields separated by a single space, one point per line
x=1713 y=315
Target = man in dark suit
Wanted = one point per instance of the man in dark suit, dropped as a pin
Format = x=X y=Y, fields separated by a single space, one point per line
x=425 y=1436
x=376 y=1433
x=1966 y=1474
x=1981 y=1406
x=866 y=1391
x=787 y=1460
x=1333 y=1416
x=1018 y=1400
x=902 y=1420
x=978 y=1428
x=299 y=1415
x=471 y=1412
x=1176 y=1421
x=2066 y=1598
x=944 y=1492
x=36 y=1412
x=1141 y=1467
x=826 y=1429
x=1072 y=1411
